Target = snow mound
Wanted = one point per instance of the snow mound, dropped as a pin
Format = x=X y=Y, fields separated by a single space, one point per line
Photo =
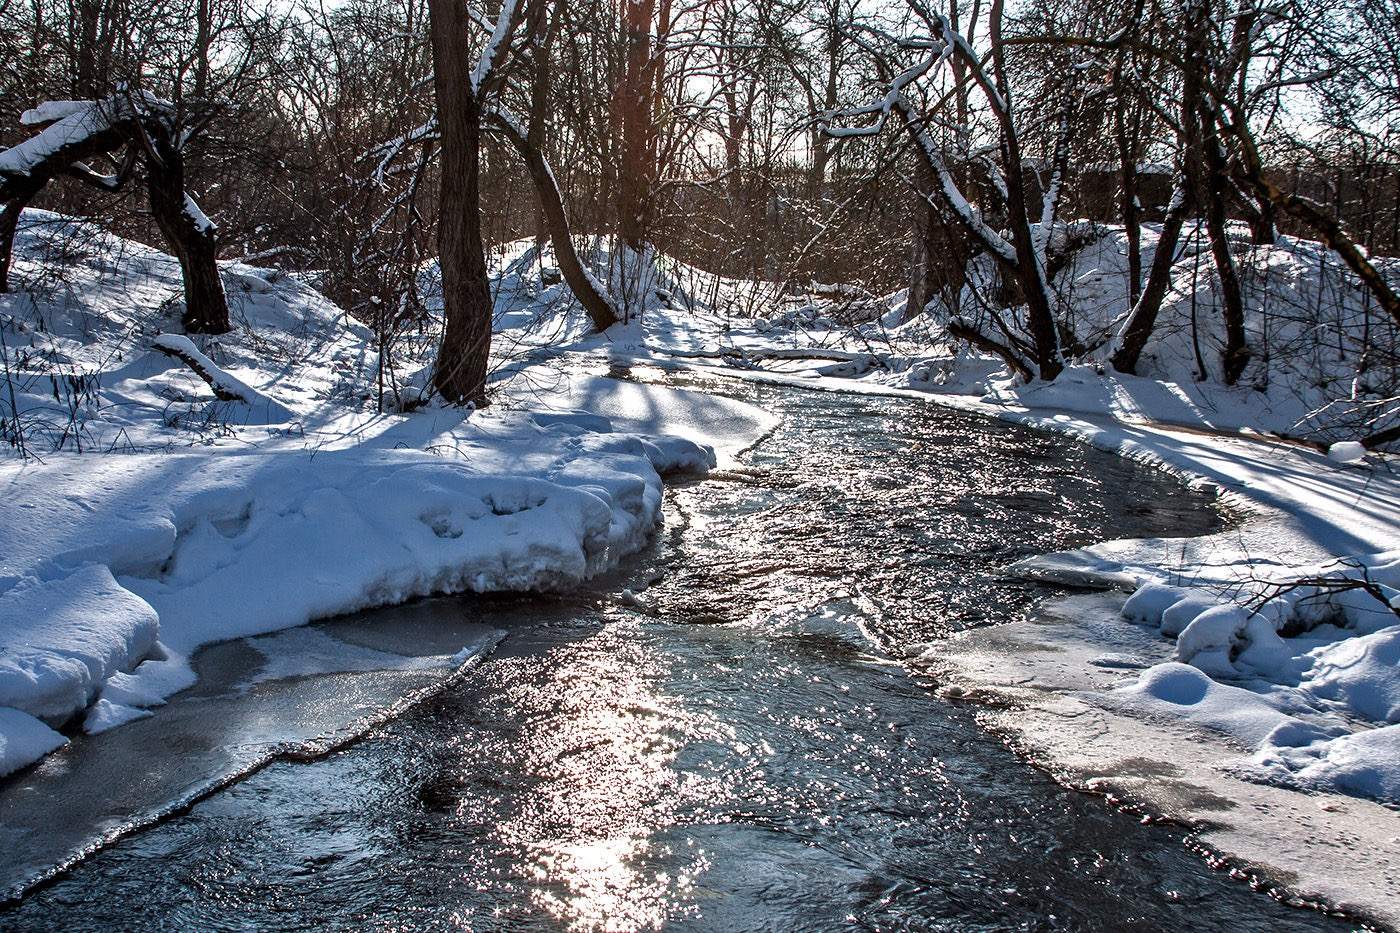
x=24 y=740
x=1361 y=674
x=61 y=638
x=167 y=491
x=1180 y=691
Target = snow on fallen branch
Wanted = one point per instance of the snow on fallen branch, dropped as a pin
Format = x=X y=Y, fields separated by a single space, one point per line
x=753 y=356
x=226 y=387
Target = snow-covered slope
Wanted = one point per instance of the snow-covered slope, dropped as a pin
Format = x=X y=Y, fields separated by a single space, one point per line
x=144 y=518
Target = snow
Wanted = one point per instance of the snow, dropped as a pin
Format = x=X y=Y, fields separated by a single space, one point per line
x=197 y=216
x=150 y=519
x=73 y=121
x=1365 y=763
x=24 y=740
x=52 y=110
x=1180 y=690
x=223 y=383
x=1347 y=452
x=64 y=631
x=1359 y=674
x=1224 y=693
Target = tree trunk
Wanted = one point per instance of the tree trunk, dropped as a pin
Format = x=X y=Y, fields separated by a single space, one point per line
x=635 y=100
x=539 y=115
x=191 y=237
x=1236 y=355
x=9 y=222
x=556 y=220
x=85 y=68
x=1263 y=223
x=1131 y=209
x=1144 y=315
x=1206 y=169
x=460 y=371
x=1031 y=275
x=921 y=246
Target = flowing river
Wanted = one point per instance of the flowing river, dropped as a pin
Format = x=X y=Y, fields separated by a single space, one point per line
x=719 y=736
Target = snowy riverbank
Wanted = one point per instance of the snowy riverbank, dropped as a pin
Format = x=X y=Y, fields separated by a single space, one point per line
x=1265 y=713
x=1224 y=694
x=166 y=520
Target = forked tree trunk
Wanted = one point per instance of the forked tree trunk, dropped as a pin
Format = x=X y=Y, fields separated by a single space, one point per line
x=556 y=220
x=460 y=371
x=191 y=237
x=1206 y=169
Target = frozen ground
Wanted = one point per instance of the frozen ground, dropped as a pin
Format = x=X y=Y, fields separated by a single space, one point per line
x=150 y=519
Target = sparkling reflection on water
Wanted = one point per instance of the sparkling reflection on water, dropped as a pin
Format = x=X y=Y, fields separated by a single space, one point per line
x=734 y=748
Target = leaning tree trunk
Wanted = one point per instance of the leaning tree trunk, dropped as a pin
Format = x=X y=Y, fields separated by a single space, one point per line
x=556 y=220
x=191 y=237
x=1323 y=222
x=1144 y=314
x=1030 y=275
x=1236 y=355
x=460 y=371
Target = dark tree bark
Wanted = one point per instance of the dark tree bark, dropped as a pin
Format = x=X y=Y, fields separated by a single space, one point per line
x=1144 y=314
x=539 y=113
x=192 y=238
x=1236 y=354
x=636 y=100
x=923 y=249
x=1131 y=210
x=460 y=372
x=1032 y=277
x=556 y=220
x=9 y=221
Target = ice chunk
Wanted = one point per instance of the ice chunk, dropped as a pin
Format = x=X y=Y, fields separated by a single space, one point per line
x=105 y=715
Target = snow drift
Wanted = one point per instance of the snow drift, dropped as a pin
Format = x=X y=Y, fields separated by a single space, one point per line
x=165 y=492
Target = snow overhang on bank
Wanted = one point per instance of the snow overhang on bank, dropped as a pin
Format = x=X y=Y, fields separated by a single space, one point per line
x=167 y=519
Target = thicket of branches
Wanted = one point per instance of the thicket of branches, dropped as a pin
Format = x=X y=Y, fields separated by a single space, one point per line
x=878 y=143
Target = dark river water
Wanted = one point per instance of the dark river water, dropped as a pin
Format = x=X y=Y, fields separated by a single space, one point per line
x=728 y=745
